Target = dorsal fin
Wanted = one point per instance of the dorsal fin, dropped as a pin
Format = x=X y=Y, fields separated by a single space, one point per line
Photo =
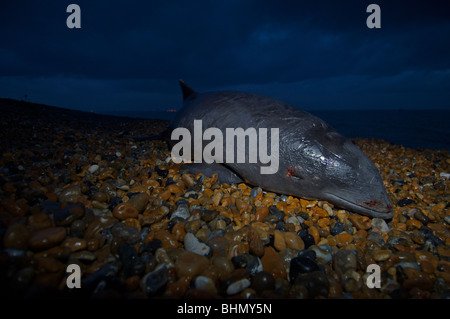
x=187 y=90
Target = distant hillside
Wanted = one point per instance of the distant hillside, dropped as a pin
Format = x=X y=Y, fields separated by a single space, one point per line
x=37 y=109
x=17 y=117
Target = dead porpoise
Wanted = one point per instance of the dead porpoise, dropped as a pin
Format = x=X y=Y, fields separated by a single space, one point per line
x=315 y=162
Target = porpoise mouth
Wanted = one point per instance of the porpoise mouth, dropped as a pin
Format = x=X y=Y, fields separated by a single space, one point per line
x=364 y=209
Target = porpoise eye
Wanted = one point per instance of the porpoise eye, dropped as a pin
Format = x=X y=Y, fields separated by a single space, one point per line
x=291 y=172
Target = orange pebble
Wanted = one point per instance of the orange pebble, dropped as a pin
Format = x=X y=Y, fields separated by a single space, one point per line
x=174 y=189
x=319 y=212
x=242 y=186
x=124 y=211
x=165 y=195
x=323 y=222
x=303 y=202
x=258 y=196
x=413 y=223
x=343 y=239
x=313 y=231
x=261 y=213
x=133 y=222
x=267 y=201
x=208 y=192
x=281 y=206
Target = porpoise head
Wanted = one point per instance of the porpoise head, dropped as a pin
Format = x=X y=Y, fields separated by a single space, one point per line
x=324 y=162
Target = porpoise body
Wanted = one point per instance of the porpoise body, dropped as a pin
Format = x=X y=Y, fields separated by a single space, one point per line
x=315 y=162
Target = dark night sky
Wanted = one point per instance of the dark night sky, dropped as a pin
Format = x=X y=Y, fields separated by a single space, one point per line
x=129 y=55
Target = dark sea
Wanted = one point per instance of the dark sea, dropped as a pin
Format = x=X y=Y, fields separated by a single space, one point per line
x=410 y=128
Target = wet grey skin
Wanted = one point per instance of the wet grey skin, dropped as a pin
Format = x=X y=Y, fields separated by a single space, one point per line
x=315 y=162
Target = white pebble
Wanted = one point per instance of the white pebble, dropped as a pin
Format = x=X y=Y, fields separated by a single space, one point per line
x=380 y=224
x=194 y=245
x=93 y=168
x=444 y=175
x=293 y=220
x=204 y=283
x=238 y=286
x=182 y=212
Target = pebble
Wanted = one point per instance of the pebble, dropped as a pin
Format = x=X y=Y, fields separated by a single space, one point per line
x=193 y=226
x=447 y=219
x=223 y=265
x=71 y=194
x=168 y=241
x=84 y=255
x=261 y=213
x=263 y=281
x=67 y=215
x=128 y=234
x=40 y=221
x=209 y=215
x=376 y=237
x=308 y=240
x=337 y=228
x=75 y=243
x=295 y=220
x=193 y=244
x=238 y=286
x=408 y=264
x=444 y=175
x=16 y=236
x=279 y=242
x=17 y=208
x=155 y=281
x=250 y=263
x=324 y=253
x=256 y=245
x=273 y=263
x=47 y=238
x=181 y=212
x=273 y=210
x=293 y=241
x=204 y=283
x=382 y=255
x=444 y=253
x=360 y=222
x=203 y=233
x=191 y=264
x=301 y=265
x=405 y=202
x=138 y=201
x=344 y=260
x=286 y=256
x=178 y=288
x=316 y=284
x=237 y=248
x=124 y=211
x=219 y=246
x=379 y=225
x=343 y=239
x=93 y=168
x=162 y=258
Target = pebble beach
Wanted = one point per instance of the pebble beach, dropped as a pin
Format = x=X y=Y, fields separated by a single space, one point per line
x=76 y=188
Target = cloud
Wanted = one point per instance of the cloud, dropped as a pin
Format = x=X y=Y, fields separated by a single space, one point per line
x=137 y=50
